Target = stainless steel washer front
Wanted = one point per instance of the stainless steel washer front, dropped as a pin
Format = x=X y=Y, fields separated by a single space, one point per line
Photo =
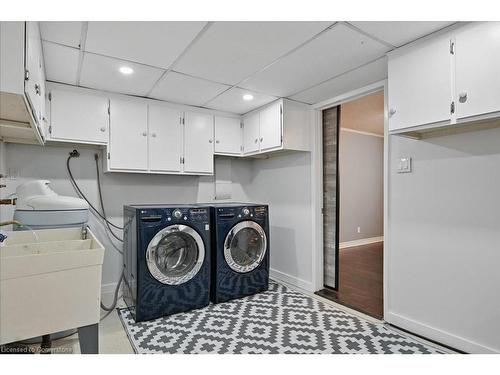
x=245 y=246
x=175 y=254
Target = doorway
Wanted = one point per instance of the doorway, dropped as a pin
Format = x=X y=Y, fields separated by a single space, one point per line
x=353 y=203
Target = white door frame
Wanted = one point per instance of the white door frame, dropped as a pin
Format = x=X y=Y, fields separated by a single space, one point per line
x=317 y=180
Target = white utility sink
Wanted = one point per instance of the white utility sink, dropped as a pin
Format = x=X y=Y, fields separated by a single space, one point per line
x=50 y=281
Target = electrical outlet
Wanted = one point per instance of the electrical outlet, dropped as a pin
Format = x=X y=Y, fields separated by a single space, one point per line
x=404 y=165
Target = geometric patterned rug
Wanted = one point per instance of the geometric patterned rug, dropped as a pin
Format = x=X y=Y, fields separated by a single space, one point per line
x=280 y=320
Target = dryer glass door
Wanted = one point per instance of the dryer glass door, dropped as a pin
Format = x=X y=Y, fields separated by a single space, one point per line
x=245 y=246
x=175 y=254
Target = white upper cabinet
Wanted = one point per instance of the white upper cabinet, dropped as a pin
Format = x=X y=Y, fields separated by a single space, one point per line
x=128 y=135
x=282 y=125
x=419 y=86
x=251 y=133
x=33 y=75
x=78 y=117
x=228 y=136
x=477 y=64
x=446 y=81
x=165 y=139
x=22 y=83
x=270 y=127
x=198 y=143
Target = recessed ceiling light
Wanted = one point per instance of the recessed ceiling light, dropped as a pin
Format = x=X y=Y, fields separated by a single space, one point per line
x=248 y=97
x=126 y=70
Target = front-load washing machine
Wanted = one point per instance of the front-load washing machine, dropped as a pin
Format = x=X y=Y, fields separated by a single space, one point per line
x=166 y=259
x=240 y=250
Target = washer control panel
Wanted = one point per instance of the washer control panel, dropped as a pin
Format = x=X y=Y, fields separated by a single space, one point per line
x=178 y=215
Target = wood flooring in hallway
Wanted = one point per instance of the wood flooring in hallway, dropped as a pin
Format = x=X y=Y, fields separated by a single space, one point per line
x=360 y=279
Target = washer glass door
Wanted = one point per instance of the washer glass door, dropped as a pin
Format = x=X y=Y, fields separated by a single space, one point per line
x=175 y=254
x=245 y=246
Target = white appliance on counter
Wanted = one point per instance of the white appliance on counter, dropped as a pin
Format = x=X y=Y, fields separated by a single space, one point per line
x=40 y=207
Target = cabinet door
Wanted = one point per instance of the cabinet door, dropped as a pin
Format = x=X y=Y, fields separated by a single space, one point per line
x=251 y=133
x=79 y=117
x=32 y=85
x=128 y=135
x=228 y=135
x=165 y=139
x=198 y=143
x=270 y=127
x=44 y=121
x=420 y=85
x=477 y=61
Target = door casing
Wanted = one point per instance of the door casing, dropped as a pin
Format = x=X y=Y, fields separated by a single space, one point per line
x=317 y=181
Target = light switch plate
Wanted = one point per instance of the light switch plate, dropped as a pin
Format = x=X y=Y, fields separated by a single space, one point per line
x=404 y=165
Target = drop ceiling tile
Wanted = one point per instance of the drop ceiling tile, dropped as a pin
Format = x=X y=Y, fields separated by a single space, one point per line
x=228 y=52
x=61 y=63
x=67 y=33
x=355 y=79
x=180 y=88
x=398 y=33
x=332 y=53
x=232 y=101
x=101 y=72
x=152 y=43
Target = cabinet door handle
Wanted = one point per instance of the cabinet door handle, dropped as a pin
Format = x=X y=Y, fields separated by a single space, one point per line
x=217 y=141
x=153 y=135
x=462 y=97
x=261 y=139
x=210 y=141
x=103 y=129
x=144 y=134
x=256 y=140
x=392 y=112
x=37 y=88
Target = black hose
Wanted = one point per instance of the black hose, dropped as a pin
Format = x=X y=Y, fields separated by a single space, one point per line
x=73 y=154
x=115 y=298
x=101 y=201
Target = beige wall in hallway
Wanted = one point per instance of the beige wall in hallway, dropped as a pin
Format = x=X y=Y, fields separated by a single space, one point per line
x=361 y=160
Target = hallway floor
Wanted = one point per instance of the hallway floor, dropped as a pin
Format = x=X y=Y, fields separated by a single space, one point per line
x=360 y=279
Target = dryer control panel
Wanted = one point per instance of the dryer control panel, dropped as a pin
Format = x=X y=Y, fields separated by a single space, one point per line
x=229 y=213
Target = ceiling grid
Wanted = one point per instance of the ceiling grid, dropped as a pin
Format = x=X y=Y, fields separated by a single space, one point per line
x=212 y=64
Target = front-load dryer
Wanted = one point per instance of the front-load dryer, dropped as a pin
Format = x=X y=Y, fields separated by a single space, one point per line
x=166 y=259
x=240 y=250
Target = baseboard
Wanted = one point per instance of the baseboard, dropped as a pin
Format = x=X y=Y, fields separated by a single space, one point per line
x=292 y=280
x=360 y=242
x=437 y=335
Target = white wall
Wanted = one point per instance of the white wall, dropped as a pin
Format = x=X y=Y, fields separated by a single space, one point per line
x=284 y=182
x=444 y=239
x=361 y=170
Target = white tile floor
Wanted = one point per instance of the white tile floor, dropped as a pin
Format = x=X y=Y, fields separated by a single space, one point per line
x=114 y=340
